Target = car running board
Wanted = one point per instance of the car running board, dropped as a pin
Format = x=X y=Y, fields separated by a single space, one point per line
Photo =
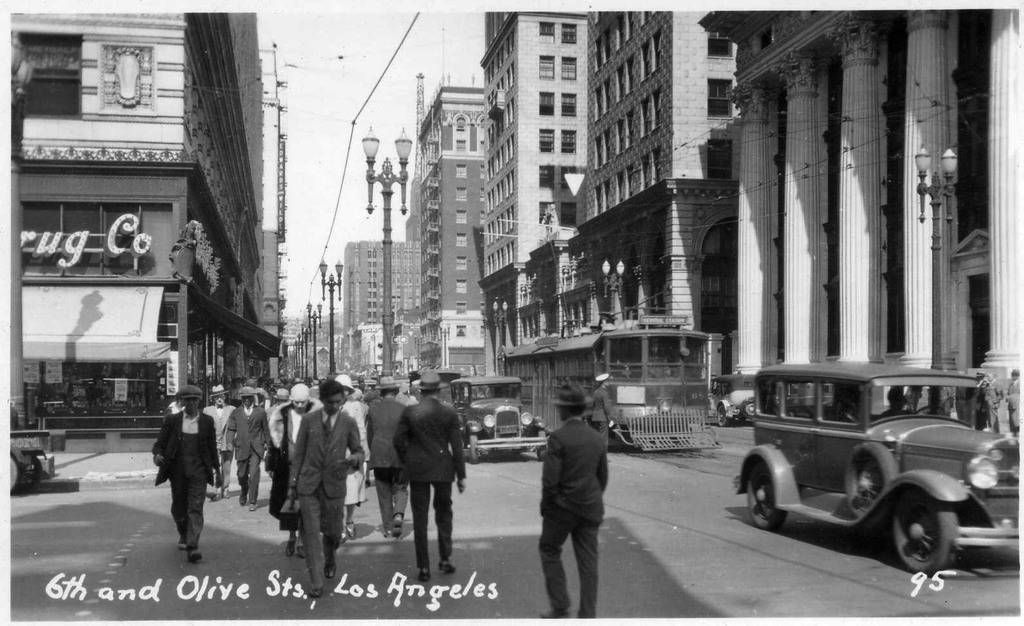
x=824 y=506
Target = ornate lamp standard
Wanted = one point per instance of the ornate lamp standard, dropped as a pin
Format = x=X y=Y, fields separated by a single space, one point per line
x=445 y=334
x=614 y=283
x=387 y=179
x=500 y=320
x=331 y=282
x=305 y=352
x=938 y=192
x=314 y=321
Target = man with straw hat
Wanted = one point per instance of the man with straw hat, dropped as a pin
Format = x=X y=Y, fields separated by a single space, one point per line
x=220 y=411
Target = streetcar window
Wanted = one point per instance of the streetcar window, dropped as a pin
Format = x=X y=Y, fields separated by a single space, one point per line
x=625 y=350
x=664 y=350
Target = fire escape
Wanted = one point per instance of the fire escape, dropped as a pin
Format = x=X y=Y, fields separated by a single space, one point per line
x=431 y=236
x=282 y=246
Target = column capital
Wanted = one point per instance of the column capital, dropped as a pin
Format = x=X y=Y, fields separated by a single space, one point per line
x=752 y=100
x=927 y=19
x=799 y=71
x=858 y=40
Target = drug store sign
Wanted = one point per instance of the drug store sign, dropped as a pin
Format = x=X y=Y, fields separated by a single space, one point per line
x=123 y=237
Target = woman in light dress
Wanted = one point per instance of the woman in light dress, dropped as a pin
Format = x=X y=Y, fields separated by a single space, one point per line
x=355 y=486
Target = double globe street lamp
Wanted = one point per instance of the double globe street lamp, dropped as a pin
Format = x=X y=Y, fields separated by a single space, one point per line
x=939 y=190
x=330 y=282
x=613 y=281
x=314 y=320
x=387 y=178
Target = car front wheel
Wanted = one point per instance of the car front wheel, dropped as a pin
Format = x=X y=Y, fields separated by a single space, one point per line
x=871 y=468
x=924 y=532
x=761 y=500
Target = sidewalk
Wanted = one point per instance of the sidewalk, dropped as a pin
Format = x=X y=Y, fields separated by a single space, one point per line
x=84 y=471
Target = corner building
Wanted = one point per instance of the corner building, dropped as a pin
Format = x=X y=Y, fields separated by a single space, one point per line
x=835 y=242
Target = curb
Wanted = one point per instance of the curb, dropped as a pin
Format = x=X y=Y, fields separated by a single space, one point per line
x=126 y=480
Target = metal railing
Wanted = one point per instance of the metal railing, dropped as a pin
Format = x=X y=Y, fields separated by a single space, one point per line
x=681 y=429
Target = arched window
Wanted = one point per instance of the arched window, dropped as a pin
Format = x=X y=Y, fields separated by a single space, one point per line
x=718 y=284
x=461 y=134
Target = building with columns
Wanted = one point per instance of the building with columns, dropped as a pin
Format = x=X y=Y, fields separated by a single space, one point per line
x=839 y=255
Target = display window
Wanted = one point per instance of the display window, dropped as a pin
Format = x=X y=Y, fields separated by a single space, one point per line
x=61 y=388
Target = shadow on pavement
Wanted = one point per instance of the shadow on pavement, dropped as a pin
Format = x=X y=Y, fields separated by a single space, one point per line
x=128 y=548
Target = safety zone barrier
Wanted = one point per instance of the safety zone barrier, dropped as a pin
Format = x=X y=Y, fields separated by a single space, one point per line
x=683 y=429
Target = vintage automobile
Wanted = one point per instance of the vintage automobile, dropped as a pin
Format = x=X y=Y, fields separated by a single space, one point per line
x=29 y=461
x=731 y=398
x=876 y=447
x=492 y=418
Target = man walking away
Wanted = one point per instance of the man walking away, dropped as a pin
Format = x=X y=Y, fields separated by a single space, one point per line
x=574 y=478
x=186 y=453
x=389 y=478
x=248 y=428
x=429 y=445
x=220 y=412
x=318 y=473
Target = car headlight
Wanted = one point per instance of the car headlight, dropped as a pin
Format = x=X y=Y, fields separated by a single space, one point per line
x=526 y=418
x=474 y=426
x=489 y=420
x=749 y=409
x=982 y=473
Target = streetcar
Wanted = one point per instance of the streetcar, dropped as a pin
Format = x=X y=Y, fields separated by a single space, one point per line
x=659 y=375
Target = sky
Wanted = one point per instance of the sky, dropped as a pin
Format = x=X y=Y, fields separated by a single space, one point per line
x=324 y=95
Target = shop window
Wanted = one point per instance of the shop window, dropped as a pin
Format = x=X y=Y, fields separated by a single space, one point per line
x=55 y=88
x=68 y=389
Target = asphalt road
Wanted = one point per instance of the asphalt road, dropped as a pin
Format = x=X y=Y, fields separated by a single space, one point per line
x=675 y=544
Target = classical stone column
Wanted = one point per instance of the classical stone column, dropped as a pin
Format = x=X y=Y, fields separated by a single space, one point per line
x=860 y=193
x=1006 y=275
x=804 y=161
x=678 y=299
x=927 y=125
x=754 y=245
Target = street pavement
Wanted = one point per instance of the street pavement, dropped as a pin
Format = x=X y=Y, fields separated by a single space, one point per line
x=675 y=544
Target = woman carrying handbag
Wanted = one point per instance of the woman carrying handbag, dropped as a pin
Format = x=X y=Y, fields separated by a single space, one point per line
x=283 y=424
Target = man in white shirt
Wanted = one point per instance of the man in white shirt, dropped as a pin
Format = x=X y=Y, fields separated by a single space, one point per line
x=220 y=411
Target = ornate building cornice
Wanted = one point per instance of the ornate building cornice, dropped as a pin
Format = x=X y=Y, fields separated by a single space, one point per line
x=752 y=100
x=799 y=71
x=127 y=155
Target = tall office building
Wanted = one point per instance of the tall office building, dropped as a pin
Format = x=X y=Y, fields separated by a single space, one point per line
x=452 y=150
x=535 y=67
x=274 y=251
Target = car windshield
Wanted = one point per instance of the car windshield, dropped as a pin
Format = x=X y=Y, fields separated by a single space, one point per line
x=483 y=392
x=955 y=401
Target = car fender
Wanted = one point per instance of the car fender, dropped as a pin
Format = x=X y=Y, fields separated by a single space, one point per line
x=938 y=485
x=786 y=492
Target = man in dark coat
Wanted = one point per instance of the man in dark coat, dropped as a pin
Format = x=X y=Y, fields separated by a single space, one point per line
x=319 y=471
x=389 y=478
x=598 y=419
x=573 y=482
x=247 y=428
x=429 y=445
x=186 y=453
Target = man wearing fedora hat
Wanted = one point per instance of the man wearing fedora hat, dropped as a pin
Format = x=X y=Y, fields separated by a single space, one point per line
x=573 y=481
x=389 y=478
x=248 y=428
x=186 y=453
x=220 y=411
x=428 y=442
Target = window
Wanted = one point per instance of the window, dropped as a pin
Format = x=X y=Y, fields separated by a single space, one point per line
x=718 y=98
x=546 y=212
x=460 y=285
x=461 y=217
x=547 y=103
x=547 y=176
x=547 y=32
x=460 y=194
x=800 y=399
x=568 y=68
x=461 y=263
x=630 y=75
x=460 y=330
x=620 y=186
x=568 y=105
x=55 y=88
x=607 y=96
x=568 y=33
x=623 y=134
x=547 y=68
x=655 y=166
x=547 y=140
x=460 y=145
x=630 y=126
x=460 y=240
x=620 y=35
x=460 y=170
x=599 y=150
x=460 y=308
x=645 y=61
x=719 y=158
x=656 y=51
x=620 y=82
x=567 y=214
x=568 y=142
x=718 y=45
x=606 y=40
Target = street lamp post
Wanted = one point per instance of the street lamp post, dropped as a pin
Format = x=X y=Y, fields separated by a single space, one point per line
x=445 y=334
x=500 y=321
x=314 y=321
x=938 y=191
x=305 y=352
x=614 y=283
x=330 y=283
x=387 y=178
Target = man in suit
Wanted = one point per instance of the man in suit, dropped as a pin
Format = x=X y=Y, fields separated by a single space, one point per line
x=573 y=481
x=429 y=445
x=220 y=412
x=389 y=478
x=602 y=406
x=319 y=471
x=248 y=428
x=186 y=453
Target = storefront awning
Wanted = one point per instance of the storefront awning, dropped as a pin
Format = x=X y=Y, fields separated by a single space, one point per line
x=92 y=323
x=258 y=341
